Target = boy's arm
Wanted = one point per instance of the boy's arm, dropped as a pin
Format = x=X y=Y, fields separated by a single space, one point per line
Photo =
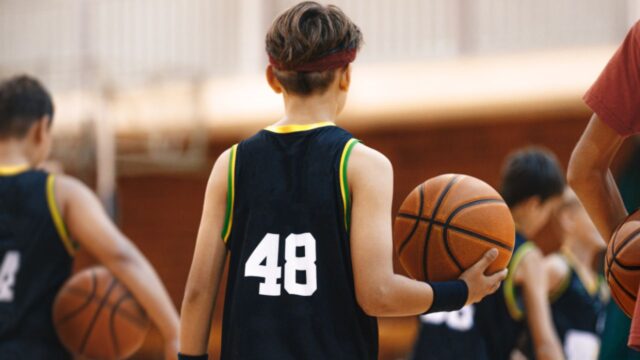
x=591 y=179
x=379 y=291
x=207 y=266
x=536 y=300
x=89 y=224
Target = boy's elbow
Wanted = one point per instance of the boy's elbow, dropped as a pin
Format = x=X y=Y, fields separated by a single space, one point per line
x=191 y=295
x=579 y=172
x=374 y=301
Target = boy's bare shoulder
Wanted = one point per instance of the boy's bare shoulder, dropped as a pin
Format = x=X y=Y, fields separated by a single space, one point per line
x=366 y=160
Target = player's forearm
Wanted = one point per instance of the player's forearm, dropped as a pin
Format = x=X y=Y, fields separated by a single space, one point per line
x=196 y=313
x=140 y=278
x=550 y=351
x=396 y=295
x=599 y=194
x=195 y=322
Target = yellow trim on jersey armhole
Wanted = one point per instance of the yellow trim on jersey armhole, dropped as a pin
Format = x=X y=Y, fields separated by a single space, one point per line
x=285 y=129
x=344 y=184
x=69 y=245
x=509 y=289
x=231 y=192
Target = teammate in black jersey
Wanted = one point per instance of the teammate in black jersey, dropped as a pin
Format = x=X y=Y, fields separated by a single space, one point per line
x=42 y=218
x=578 y=292
x=532 y=186
x=304 y=211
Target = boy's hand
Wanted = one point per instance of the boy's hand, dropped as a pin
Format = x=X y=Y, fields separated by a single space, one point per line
x=479 y=284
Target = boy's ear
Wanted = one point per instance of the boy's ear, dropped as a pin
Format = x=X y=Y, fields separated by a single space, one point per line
x=533 y=203
x=345 y=78
x=41 y=129
x=273 y=80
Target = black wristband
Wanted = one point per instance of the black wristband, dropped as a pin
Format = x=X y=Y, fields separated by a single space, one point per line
x=448 y=296
x=192 y=357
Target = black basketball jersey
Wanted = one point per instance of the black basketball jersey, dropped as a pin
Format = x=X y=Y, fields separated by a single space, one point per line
x=35 y=260
x=449 y=336
x=290 y=291
x=500 y=316
x=578 y=314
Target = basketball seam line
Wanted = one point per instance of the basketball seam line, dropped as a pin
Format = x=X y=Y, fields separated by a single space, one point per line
x=112 y=320
x=441 y=198
x=624 y=266
x=124 y=313
x=627 y=292
x=96 y=314
x=416 y=223
x=88 y=300
x=460 y=230
x=455 y=212
x=622 y=245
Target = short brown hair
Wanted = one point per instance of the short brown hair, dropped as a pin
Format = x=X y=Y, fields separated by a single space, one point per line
x=304 y=33
x=23 y=102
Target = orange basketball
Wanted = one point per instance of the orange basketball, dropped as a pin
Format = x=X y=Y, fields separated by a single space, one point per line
x=97 y=318
x=622 y=263
x=447 y=223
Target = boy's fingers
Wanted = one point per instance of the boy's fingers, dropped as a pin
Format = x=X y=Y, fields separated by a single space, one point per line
x=499 y=276
x=486 y=260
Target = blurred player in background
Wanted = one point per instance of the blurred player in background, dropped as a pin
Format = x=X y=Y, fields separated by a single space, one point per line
x=41 y=217
x=532 y=186
x=449 y=336
x=578 y=293
x=615 y=101
x=307 y=222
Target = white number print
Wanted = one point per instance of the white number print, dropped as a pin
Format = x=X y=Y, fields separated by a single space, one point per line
x=461 y=320
x=293 y=264
x=263 y=263
x=8 y=271
x=267 y=251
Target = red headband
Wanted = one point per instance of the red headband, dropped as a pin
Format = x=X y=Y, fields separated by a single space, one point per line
x=332 y=61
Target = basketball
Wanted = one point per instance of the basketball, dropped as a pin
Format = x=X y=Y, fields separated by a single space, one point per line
x=447 y=223
x=622 y=263
x=96 y=317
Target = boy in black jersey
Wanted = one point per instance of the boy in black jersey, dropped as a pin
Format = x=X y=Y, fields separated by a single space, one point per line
x=303 y=209
x=578 y=292
x=532 y=185
x=42 y=218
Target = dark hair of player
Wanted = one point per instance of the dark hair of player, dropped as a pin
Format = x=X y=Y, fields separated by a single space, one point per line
x=529 y=172
x=23 y=102
x=310 y=33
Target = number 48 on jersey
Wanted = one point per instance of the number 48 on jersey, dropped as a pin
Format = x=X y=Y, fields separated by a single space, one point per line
x=263 y=263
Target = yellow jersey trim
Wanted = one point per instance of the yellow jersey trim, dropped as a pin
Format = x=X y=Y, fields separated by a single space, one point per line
x=13 y=169
x=231 y=192
x=57 y=218
x=509 y=293
x=344 y=183
x=285 y=129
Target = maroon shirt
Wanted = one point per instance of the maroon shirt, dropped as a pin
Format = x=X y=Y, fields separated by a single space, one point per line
x=615 y=96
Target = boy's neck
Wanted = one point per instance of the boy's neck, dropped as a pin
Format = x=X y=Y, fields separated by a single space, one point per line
x=522 y=224
x=310 y=109
x=13 y=152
